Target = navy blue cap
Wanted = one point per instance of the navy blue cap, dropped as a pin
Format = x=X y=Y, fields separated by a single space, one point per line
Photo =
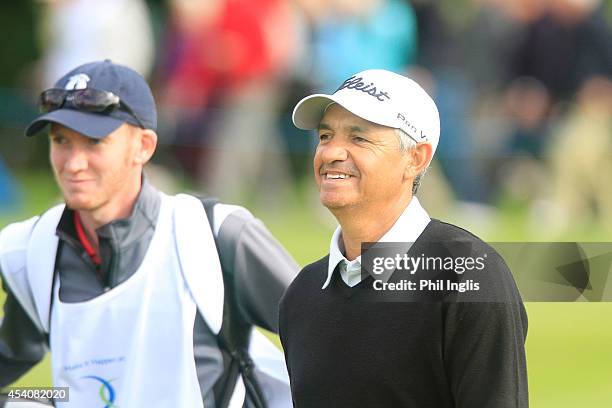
x=124 y=82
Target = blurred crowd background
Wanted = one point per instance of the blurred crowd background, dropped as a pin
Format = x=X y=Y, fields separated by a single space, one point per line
x=524 y=89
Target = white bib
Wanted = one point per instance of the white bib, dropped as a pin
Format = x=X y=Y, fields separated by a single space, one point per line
x=154 y=311
x=133 y=345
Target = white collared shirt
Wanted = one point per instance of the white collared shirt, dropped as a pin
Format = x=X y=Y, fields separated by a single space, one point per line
x=407 y=228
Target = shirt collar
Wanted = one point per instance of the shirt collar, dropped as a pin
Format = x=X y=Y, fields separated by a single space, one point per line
x=407 y=228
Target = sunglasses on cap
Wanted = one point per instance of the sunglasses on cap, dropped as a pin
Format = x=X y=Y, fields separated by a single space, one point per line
x=88 y=100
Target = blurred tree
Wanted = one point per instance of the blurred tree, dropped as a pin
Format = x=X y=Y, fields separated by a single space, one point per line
x=18 y=45
x=19 y=50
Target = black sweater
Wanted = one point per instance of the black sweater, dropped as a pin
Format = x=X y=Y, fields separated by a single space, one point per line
x=344 y=348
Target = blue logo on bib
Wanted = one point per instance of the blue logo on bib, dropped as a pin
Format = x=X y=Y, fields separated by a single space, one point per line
x=107 y=392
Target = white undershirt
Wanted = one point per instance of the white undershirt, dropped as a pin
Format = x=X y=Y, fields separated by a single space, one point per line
x=407 y=228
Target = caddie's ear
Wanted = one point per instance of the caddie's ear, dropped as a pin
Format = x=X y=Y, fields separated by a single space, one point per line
x=148 y=144
x=420 y=156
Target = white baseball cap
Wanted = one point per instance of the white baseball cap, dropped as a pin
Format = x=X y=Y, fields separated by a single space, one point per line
x=381 y=97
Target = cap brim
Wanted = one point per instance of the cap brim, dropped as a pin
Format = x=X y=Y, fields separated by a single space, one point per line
x=308 y=113
x=92 y=125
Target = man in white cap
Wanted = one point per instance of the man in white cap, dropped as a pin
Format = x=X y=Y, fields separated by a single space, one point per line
x=354 y=335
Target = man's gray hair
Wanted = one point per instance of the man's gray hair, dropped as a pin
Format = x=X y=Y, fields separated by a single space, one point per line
x=407 y=143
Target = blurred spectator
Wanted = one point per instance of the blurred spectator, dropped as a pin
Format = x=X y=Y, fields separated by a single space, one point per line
x=79 y=31
x=581 y=160
x=222 y=68
x=10 y=194
x=563 y=47
x=567 y=45
x=443 y=53
x=509 y=127
x=528 y=104
x=353 y=36
x=520 y=168
x=492 y=36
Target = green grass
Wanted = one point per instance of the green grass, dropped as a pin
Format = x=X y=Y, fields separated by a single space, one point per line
x=568 y=354
x=569 y=345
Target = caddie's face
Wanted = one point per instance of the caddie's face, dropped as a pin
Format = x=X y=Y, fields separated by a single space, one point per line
x=357 y=163
x=92 y=173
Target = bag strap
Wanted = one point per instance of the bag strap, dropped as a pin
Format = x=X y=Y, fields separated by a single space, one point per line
x=235 y=333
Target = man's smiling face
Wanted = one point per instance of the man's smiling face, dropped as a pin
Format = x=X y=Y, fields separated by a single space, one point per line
x=93 y=173
x=357 y=163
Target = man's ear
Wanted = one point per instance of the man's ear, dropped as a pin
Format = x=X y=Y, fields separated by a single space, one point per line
x=420 y=157
x=148 y=144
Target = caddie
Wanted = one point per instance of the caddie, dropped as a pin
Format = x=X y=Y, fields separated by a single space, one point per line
x=144 y=299
x=449 y=333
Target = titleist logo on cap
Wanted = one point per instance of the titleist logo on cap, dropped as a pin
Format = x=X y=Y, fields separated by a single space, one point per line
x=357 y=84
